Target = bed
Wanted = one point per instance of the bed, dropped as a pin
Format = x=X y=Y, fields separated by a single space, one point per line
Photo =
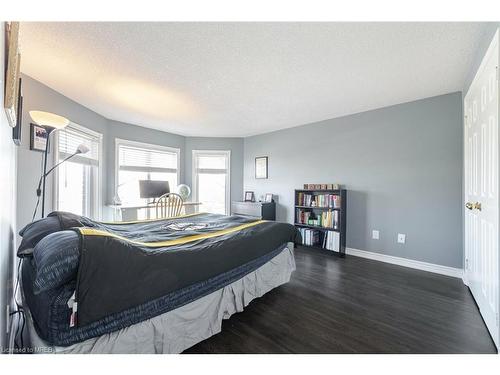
x=153 y=286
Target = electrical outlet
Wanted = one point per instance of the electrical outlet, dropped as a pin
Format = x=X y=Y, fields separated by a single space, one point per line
x=401 y=238
x=375 y=234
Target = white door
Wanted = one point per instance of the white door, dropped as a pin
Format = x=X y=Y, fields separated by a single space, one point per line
x=481 y=188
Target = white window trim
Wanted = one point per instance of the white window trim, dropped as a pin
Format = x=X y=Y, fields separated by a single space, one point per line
x=194 y=179
x=148 y=146
x=98 y=204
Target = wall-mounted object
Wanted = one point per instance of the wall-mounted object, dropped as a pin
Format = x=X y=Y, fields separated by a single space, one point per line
x=16 y=131
x=11 y=74
x=38 y=138
x=261 y=167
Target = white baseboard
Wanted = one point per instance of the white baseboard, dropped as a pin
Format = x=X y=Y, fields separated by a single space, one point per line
x=410 y=263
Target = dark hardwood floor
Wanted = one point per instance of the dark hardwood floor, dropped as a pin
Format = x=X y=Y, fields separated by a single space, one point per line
x=356 y=305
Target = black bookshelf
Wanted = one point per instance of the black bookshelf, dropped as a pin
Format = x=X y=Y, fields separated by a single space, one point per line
x=316 y=211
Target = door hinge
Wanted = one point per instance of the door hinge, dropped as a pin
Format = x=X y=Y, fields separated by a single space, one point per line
x=496 y=68
x=466 y=264
x=497 y=320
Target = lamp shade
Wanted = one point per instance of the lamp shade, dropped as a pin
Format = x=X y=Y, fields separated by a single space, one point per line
x=49 y=119
x=82 y=149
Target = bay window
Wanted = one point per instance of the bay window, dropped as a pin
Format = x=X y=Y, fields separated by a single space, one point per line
x=141 y=161
x=211 y=180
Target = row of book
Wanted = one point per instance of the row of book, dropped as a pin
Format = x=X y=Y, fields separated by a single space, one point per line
x=318 y=200
x=331 y=241
x=326 y=219
x=312 y=237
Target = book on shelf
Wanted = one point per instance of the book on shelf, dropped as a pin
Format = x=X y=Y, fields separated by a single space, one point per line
x=310 y=237
x=326 y=219
x=318 y=200
x=331 y=241
x=313 y=237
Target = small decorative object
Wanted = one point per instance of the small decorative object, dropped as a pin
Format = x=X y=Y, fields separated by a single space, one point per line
x=261 y=167
x=249 y=196
x=323 y=186
x=11 y=74
x=38 y=138
x=184 y=191
x=269 y=198
x=329 y=186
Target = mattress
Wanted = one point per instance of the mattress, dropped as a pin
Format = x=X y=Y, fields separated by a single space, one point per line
x=184 y=326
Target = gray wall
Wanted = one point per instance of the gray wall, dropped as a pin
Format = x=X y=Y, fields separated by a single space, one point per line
x=38 y=96
x=7 y=208
x=235 y=145
x=402 y=166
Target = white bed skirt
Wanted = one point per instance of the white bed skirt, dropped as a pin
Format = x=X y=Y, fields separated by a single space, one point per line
x=179 y=329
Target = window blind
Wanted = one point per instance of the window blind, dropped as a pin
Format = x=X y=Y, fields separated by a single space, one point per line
x=211 y=163
x=68 y=141
x=140 y=159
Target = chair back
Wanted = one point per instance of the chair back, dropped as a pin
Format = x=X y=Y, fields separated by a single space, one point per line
x=169 y=205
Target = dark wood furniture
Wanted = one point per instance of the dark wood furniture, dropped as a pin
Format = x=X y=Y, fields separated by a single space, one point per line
x=342 y=210
x=261 y=210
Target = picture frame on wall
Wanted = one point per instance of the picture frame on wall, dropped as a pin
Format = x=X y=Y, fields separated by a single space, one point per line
x=261 y=165
x=249 y=196
x=12 y=74
x=38 y=138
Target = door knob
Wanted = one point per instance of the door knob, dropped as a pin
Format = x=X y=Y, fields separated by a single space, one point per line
x=469 y=205
x=477 y=206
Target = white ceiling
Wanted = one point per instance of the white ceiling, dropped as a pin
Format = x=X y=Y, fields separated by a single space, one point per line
x=240 y=79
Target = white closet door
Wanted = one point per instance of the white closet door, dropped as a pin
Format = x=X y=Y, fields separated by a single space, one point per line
x=481 y=106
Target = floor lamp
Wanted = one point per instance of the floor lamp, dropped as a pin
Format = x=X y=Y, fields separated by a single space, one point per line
x=49 y=122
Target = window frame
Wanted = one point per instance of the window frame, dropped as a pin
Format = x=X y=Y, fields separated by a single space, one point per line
x=146 y=146
x=194 y=177
x=98 y=201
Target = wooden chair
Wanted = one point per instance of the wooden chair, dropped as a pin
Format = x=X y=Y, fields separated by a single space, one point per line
x=169 y=205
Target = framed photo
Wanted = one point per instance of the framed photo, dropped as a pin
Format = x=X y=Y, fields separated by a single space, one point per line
x=268 y=198
x=249 y=197
x=11 y=74
x=261 y=167
x=38 y=138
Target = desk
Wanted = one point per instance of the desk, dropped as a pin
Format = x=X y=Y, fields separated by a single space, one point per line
x=129 y=213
